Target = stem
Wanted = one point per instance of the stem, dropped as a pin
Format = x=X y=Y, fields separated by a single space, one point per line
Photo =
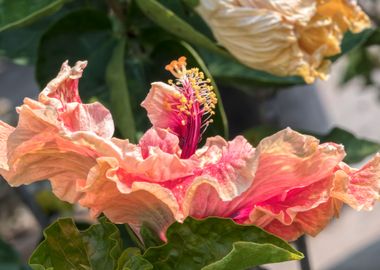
x=134 y=237
x=301 y=245
x=117 y=9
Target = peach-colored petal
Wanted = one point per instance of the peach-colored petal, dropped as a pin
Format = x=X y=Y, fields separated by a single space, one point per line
x=64 y=88
x=286 y=177
x=159 y=138
x=228 y=170
x=92 y=117
x=142 y=203
x=157 y=159
x=57 y=138
x=5 y=131
x=288 y=160
x=358 y=188
x=310 y=222
x=62 y=95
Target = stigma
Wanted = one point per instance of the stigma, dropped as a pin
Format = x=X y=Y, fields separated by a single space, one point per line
x=193 y=104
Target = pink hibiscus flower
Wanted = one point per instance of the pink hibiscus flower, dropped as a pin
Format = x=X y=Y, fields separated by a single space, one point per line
x=289 y=185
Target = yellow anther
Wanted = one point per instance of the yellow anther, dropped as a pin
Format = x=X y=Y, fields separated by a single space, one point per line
x=183 y=100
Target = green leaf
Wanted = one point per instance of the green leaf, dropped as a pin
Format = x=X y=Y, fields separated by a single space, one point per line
x=374 y=38
x=191 y=3
x=51 y=204
x=360 y=63
x=85 y=34
x=216 y=243
x=9 y=259
x=64 y=247
x=20 y=44
x=21 y=12
x=131 y=259
x=119 y=95
x=356 y=149
x=168 y=20
x=170 y=50
x=351 y=41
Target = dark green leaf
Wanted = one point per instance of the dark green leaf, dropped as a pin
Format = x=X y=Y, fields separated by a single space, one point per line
x=229 y=71
x=51 y=204
x=216 y=243
x=170 y=50
x=119 y=95
x=374 y=38
x=9 y=259
x=20 y=12
x=351 y=41
x=168 y=20
x=356 y=149
x=150 y=237
x=64 y=247
x=131 y=259
x=85 y=34
x=20 y=44
x=191 y=3
x=360 y=63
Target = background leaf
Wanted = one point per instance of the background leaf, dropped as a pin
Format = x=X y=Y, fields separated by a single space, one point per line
x=64 y=247
x=216 y=243
x=131 y=259
x=9 y=259
x=356 y=149
x=119 y=95
x=20 y=12
x=168 y=20
x=84 y=34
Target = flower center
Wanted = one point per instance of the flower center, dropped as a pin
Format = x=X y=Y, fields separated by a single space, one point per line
x=194 y=104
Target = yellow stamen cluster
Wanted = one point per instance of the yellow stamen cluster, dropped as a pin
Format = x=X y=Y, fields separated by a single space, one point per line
x=203 y=90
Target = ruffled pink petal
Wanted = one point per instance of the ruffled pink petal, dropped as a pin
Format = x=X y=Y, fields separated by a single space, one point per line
x=92 y=117
x=64 y=88
x=161 y=138
x=228 y=171
x=358 y=188
x=289 y=160
x=156 y=159
x=57 y=138
x=302 y=210
x=158 y=105
x=141 y=203
x=62 y=95
x=310 y=222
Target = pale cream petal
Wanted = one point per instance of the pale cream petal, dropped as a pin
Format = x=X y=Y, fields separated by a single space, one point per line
x=283 y=37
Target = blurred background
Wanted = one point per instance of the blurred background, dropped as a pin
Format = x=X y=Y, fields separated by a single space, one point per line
x=349 y=100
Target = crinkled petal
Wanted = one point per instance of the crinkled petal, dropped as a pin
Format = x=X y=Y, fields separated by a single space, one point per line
x=142 y=203
x=289 y=160
x=283 y=37
x=310 y=222
x=228 y=170
x=62 y=95
x=159 y=138
x=358 y=188
x=5 y=131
